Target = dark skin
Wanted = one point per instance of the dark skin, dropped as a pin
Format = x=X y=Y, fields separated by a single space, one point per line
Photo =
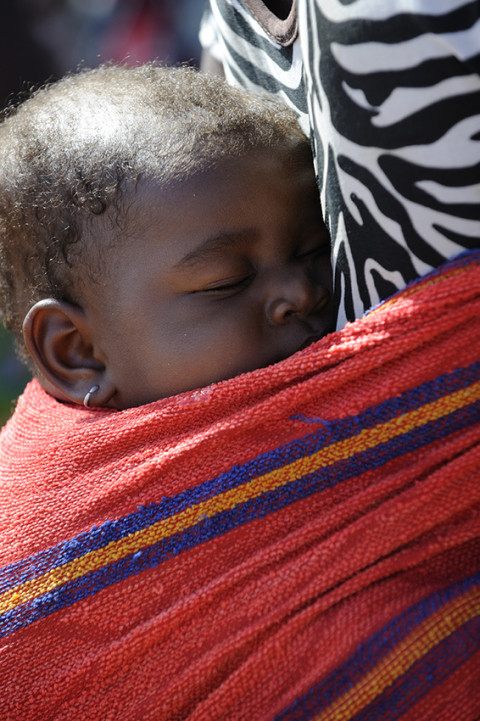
x=222 y=274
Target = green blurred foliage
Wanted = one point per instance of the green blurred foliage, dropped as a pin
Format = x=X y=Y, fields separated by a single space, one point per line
x=13 y=375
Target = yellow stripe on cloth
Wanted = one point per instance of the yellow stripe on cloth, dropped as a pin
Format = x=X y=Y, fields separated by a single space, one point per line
x=428 y=634
x=226 y=500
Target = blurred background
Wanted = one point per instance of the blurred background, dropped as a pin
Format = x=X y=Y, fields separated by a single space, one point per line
x=42 y=39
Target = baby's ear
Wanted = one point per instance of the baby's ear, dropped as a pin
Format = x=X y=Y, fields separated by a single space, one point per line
x=58 y=338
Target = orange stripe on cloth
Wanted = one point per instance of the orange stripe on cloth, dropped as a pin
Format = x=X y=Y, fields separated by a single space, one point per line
x=226 y=500
x=414 y=647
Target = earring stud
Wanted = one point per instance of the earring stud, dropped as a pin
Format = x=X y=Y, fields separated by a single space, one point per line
x=86 y=400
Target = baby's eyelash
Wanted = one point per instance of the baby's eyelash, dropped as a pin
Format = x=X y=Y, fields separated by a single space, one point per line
x=230 y=286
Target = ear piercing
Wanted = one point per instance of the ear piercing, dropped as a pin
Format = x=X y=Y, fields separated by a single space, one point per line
x=86 y=400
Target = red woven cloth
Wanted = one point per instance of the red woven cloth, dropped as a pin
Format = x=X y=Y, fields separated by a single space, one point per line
x=300 y=542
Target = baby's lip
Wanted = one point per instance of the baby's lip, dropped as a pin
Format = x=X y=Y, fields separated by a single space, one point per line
x=313 y=339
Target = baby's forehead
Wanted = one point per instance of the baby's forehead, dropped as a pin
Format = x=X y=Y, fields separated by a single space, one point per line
x=150 y=207
x=235 y=171
x=233 y=187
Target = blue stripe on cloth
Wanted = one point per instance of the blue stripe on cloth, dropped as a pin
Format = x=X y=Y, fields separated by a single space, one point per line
x=427 y=673
x=254 y=509
x=330 y=432
x=452 y=652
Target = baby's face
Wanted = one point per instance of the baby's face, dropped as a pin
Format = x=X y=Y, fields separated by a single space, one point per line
x=224 y=274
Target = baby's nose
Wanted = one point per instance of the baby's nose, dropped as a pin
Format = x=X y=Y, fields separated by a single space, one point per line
x=292 y=294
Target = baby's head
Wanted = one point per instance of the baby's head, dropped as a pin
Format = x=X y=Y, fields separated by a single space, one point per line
x=159 y=231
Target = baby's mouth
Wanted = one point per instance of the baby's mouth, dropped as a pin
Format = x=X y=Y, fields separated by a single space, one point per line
x=313 y=339
x=308 y=342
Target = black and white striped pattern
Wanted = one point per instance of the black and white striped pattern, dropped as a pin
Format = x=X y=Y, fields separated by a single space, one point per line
x=251 y=59
x=390 y=94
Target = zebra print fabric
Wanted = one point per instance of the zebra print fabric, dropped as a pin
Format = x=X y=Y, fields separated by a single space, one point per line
x=390 y=96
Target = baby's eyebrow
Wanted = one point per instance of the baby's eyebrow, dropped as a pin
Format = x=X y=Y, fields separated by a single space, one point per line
x=214 y=246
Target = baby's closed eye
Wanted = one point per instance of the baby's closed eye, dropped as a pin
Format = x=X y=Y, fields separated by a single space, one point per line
x=226 y=286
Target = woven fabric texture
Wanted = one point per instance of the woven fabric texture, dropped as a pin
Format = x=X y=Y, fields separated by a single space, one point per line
x=301 y=542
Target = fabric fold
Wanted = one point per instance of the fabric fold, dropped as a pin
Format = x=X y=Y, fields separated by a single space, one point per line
x=300 y=542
